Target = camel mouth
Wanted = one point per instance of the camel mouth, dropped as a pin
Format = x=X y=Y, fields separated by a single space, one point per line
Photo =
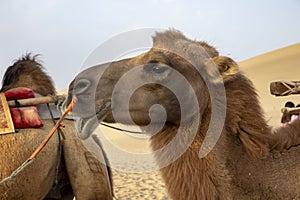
x=87 y=125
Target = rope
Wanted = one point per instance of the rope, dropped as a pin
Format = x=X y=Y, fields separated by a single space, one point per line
x=59 y=146
x=290 y=90
x=14 y=174
x=120 y=129
x=17 y=103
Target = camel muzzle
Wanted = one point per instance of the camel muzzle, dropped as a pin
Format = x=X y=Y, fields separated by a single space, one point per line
x=86 y=126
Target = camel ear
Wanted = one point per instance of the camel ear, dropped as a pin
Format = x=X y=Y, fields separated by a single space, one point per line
x=227 y=67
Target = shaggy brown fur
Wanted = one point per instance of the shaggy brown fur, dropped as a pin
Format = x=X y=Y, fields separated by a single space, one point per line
x=36 y=180
x=33 y=76
x=249 y=161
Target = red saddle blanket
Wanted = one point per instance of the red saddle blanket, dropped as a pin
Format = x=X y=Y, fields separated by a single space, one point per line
x=23 y=117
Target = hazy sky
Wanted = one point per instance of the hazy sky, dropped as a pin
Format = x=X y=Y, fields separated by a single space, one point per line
x=65 y=32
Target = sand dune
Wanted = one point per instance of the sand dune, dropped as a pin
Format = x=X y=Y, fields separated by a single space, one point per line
x=281 y=64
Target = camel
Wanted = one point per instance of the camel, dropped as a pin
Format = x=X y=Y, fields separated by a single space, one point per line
x=250 y=160
x=64 y=168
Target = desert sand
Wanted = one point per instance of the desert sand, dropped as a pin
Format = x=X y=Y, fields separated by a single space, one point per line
x=132 y=178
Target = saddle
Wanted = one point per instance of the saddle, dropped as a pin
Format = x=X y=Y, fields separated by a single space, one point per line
x=285 y=88
x=21 y=117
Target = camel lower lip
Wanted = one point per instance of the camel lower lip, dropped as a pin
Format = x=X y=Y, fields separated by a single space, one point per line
x=87 y=125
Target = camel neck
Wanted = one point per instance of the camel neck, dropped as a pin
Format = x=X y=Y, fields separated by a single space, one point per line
x=188 y=176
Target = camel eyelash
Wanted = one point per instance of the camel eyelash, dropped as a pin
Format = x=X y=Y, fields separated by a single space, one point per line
x=153 y=61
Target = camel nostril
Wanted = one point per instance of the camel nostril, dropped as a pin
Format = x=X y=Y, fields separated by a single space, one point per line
x=81 y=86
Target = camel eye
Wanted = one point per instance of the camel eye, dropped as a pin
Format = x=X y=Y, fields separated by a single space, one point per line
x=156 y=68
x=81 y=86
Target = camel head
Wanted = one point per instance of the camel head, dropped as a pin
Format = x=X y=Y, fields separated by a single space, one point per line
x=28 y=72
x=151 y=88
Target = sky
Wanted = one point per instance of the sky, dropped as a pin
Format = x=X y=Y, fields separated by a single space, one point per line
x=66 y=32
